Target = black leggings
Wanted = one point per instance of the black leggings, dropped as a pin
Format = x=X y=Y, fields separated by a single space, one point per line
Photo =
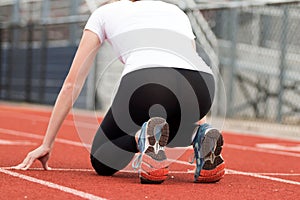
x=180 y=96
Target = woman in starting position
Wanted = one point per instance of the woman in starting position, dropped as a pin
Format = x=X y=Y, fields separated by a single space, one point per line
x=165 y=92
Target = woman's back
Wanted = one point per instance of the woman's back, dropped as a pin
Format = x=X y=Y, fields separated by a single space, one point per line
x=128 y=26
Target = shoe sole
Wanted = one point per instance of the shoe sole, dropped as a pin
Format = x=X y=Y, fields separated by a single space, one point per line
x=214 y=167
x=154 y=165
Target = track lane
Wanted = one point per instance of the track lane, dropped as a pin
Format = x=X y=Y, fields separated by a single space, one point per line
x=126 y=185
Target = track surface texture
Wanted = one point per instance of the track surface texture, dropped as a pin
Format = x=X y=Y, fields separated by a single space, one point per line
x=256 y=167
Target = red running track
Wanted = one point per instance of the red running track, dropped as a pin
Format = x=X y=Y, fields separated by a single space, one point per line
x=256 y=167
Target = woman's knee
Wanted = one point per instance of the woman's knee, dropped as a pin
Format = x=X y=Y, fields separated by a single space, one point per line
x=100 y=168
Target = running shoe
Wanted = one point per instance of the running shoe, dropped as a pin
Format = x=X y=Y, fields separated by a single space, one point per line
x=152 y=161
x=207 y=144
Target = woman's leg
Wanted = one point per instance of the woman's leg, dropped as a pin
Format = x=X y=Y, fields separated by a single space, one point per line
x=180 y=96
x=112 y=149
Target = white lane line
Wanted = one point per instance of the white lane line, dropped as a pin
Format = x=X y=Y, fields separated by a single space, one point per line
x=257 y=175
x=52 y=185
x=247 y=148
x=55 y=169
x=181 y=162
x=280 y=174
x=91 y=170
x=93 y=124
x=16 y=142
x=35 y=136
x=172 y=172
x=228 y=171
x=282 y=147
x=64 y=141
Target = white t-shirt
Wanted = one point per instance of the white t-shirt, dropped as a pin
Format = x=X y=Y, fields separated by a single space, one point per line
x=146 y=33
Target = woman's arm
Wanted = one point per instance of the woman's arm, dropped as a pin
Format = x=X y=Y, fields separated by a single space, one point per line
x=73 y=84
x=68 y=94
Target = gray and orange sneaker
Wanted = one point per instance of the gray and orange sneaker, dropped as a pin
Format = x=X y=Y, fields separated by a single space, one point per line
x=207 y=144
x=152 y=161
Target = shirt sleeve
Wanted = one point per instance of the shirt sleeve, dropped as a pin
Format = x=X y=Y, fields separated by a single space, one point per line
x=95 y=24
x=189 y=27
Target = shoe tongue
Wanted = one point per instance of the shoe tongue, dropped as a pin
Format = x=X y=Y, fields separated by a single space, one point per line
x=204 y=127
x=200 y=132
x=142 y=138
x=157 y=131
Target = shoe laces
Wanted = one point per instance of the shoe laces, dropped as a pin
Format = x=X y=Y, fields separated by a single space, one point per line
x=197 y=141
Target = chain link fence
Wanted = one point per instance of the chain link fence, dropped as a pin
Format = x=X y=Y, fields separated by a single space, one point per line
x=259 y=52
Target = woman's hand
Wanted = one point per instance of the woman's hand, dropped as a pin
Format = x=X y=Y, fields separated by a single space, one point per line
x=41 y=153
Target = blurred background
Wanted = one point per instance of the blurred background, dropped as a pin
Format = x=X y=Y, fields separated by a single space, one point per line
x=253 y=47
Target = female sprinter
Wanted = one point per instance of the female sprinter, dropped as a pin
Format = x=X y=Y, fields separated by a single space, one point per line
x=165 y=90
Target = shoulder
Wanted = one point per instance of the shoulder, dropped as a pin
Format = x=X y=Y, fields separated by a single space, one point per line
x=112 y=6
x=162 y=4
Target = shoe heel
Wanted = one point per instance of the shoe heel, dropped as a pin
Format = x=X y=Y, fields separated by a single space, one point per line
x=153 y=122
x=154 y=167
x=219 y=146
x=211 y=141
x=163 y=141
x=214 y=167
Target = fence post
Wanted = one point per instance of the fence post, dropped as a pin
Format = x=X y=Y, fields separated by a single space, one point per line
x=265 y=30
x=233 y=23
x=28 y=80
x=10 y=62
x=1 y=60
x=283 y=64
x=13 y=39
x=43 y=67
x=73 y=27
x=44 y=46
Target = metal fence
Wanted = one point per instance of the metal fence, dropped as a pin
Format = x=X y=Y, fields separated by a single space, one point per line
x=255 y=46
x=259 y=54
x=38 y=41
